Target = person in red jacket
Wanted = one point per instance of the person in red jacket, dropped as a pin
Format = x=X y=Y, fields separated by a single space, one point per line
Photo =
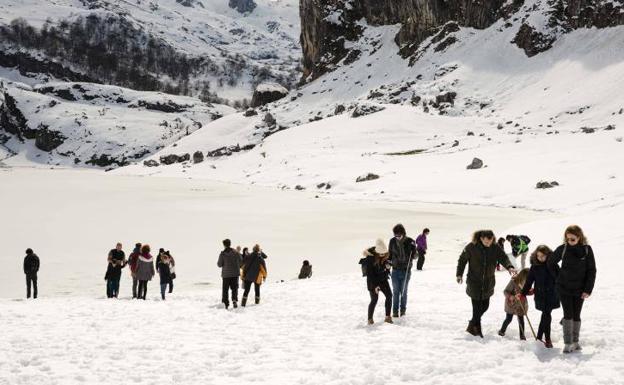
x=133 y=260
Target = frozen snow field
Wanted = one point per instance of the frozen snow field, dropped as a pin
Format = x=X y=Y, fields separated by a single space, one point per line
x=303 y=332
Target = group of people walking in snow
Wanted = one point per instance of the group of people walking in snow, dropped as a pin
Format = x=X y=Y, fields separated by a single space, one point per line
x=250 y=267
x=395 y=261
x=142 y=270
x=564 y=278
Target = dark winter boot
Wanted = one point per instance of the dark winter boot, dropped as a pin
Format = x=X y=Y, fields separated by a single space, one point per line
x=257 y=300
x=402 y=312
x=479 y=330
x=472 y=329
x=389 y=320
x=501 y=333
x=576 y=330
x=244 y=302
x=234 y=304
x=548 y=343
x=227 y=305
x=395 y=315
x=567 y=336
x=370 y=321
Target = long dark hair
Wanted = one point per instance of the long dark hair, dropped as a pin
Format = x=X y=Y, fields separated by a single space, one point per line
x=576 y=231
x=476 y=237
x=541 y=249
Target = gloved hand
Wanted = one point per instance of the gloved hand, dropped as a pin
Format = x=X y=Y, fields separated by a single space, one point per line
x=460 y=280
x=521 y=297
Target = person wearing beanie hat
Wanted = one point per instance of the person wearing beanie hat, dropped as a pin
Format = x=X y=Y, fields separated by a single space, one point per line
x=377 y=273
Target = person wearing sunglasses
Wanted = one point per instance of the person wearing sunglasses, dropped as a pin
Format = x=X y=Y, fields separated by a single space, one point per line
x=575 y=282
x=481 y=255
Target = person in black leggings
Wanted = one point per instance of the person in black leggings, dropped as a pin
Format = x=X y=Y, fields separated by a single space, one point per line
x=377 y=273
x=481 y=255
x=575 y=282
x=545 y=290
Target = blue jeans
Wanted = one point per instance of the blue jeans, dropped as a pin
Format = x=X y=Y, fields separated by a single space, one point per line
x=399 y=278
x=163 y=288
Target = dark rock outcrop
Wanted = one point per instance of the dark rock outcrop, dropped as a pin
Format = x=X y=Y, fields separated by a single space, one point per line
x=174 y=158
x=151 y=163
x=243 y=6
x=229 y=150
x=267 y=93
x=545 y=185
x=366 y=109
x=11 y=118
x=47 y=140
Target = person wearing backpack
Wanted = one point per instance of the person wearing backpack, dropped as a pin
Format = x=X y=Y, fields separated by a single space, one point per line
x=230 y=262
x=254 y=271
x=116 y=262
x=575 y=282
x=519 y=247
x=31 y=268
x=402 y=251
x=481 y=255
x=376 y=267
x=145 y=270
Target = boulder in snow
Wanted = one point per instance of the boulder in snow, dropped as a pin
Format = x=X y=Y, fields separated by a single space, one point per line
x=366 y=109
x=476 y=164
x=250 y=112
x=266 y=93
x=48 y=140
x=545 y=185
x=151 y=163
x=367 y=177
x=198 y=157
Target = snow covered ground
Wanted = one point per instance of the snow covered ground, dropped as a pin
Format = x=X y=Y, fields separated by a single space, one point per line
x=303 y=332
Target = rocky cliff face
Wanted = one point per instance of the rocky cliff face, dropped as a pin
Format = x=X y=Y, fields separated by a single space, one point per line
x=326 y=25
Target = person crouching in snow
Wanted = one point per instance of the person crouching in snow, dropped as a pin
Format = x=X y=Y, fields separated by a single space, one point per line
x=378 y=268
x=306 y=270
x=164 y=270
x=515 y=304
x=254 y=271
x=546 y=296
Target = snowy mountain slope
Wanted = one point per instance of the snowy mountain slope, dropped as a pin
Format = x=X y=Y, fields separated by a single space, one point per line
x=215 y=50
x=84 y=123
x=522 y=116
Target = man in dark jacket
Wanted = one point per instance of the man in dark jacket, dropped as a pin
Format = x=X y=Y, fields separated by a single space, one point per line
x=133 y=260
x=31 y=267
x=402 y=253
x=481 y=255
x=116 y=262
x=230 y=262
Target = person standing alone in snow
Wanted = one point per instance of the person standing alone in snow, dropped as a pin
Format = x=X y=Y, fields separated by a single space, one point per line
x=421 y=248
x=31 y=267
x=230 y=262
x=133 y=261
x=481 y=255
x=546 y=295
x=575 y=282
x=519 y=247
x=377 y=271
x=402 y=251
x=254 y=271
x=145 y=270
x=116 y=262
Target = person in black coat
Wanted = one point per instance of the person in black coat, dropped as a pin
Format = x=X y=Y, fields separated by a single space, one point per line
x=377 y=273
x=546 y=296
x=31 y=267
x=254 y=271
x=575 y=282
x=402 y=252
x=116 y=262
x=164 y=271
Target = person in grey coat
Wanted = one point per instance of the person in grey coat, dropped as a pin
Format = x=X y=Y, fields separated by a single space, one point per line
x=230 y=262
x=145 y=270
